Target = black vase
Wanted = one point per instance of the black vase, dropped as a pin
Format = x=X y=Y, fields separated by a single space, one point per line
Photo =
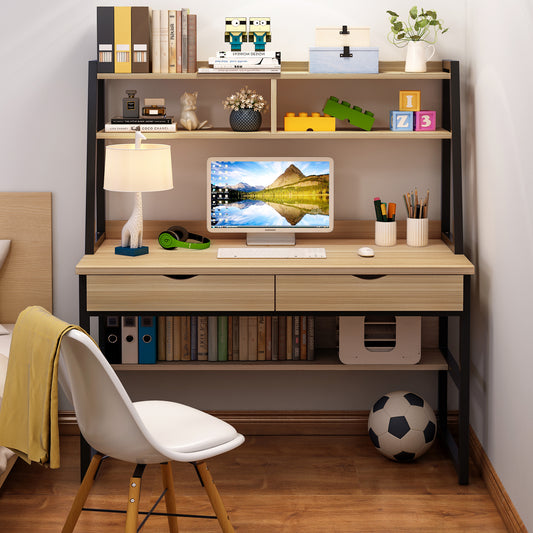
x=245 y=120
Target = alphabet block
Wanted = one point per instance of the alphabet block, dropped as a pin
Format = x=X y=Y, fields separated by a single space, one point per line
x=409 y=100
x=401 y=120
x=425 y=120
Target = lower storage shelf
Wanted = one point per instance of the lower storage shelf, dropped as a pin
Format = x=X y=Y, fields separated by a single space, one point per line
x=431 y=360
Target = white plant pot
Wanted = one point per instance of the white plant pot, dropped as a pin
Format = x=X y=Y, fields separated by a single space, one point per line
x=418 y=53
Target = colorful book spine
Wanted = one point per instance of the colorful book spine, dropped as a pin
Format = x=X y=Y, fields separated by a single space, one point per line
x=303 y=338
x=194 y=338
x=156 y=41
x=163 y=40
x=140 y=39
x=143 y=127
x=184 y=43
x=169 y=339
x=275 y=338
x=243 y=338
x=176 y=335
x=261 y=338
x=179 y=58
x=172 y=40
x=161 y=341
x=268 y=338
x=290 y=336
x=212 y=339
x=235 y=335
x=222 y=338
x=191 y=43
x=105 y=37
x=185 y=338
x=296 y=337
x=122 y=41
x=202 y=338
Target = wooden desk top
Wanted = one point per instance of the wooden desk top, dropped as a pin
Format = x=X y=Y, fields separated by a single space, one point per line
x=342 y=258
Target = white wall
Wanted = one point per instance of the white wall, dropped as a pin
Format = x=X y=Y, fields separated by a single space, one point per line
x=499 y=189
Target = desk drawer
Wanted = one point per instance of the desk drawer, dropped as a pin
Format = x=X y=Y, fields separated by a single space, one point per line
x=384 y=293
x=197 y=293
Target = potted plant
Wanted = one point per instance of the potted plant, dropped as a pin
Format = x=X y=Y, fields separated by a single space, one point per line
x=419 y=34
x=246 y=107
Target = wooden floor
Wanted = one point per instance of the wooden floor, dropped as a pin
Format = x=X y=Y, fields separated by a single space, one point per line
x=302 y=484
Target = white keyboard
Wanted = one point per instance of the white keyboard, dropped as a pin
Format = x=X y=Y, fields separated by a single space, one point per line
x=271 y=252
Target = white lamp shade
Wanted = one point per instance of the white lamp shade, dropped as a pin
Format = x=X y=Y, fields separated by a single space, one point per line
x=144 y=169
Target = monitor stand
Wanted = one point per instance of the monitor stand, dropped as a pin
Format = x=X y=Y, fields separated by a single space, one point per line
x=270 y=239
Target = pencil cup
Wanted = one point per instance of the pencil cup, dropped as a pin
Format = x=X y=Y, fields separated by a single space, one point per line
x=385 y=233
x=417 y=232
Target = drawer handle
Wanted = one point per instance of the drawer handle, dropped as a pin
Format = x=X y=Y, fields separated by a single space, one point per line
x=368 y=276
x=180 y=276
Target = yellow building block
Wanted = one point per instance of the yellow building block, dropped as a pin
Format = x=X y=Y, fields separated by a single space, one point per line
x=305 y=122
x=409 y=100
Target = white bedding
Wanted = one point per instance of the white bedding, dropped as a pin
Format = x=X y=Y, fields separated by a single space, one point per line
x=5 y=341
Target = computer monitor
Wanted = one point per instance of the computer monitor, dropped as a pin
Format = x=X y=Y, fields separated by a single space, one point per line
x=270 y=198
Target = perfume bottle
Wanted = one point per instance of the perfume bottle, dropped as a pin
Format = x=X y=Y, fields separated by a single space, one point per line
x=130 y=105
x=154 y=107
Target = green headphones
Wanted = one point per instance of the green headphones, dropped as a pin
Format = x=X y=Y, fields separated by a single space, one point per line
x=176 y=237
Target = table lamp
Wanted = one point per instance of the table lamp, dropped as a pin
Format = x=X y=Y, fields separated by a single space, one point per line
x=136 y=168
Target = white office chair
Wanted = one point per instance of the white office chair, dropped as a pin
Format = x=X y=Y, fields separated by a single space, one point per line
x=143 y=433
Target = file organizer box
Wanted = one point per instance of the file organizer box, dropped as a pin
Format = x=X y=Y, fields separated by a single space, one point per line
x=343 y=60
x=380 y=340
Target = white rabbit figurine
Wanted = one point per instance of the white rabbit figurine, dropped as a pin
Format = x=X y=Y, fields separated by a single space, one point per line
x=188 y=118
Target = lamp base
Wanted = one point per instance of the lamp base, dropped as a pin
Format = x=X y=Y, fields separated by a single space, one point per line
x=126 y=250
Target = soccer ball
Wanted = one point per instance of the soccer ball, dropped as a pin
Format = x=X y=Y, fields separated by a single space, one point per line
x=402 y=426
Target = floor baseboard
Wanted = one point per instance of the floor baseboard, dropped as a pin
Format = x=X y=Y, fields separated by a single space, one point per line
x=497 y=491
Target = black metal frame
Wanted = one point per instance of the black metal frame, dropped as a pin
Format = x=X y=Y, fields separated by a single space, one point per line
x=451 y=231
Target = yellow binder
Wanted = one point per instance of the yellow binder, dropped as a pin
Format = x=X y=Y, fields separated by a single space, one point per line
x=123 y=39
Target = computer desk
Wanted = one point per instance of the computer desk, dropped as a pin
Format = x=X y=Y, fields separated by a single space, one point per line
x=398 y=280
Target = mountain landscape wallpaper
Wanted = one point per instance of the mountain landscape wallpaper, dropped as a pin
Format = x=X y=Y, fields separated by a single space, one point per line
x=255 y=194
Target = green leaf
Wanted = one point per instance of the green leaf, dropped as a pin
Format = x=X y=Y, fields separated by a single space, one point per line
x=432 y=14
x=398 y=26
x=413 y=12
x=393 y=14
x=422 y=23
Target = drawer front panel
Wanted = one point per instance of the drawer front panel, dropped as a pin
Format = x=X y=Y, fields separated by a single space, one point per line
x=385 y=293
x=198 y=293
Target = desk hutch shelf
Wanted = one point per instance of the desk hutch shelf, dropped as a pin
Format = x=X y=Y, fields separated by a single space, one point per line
x=432 y=281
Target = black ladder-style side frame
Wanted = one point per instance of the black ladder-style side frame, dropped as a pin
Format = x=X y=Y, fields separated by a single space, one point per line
x=451 y=230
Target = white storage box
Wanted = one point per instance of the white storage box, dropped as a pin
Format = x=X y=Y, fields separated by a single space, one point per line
x=325 y=60
x=389 y=340
x=342 y=36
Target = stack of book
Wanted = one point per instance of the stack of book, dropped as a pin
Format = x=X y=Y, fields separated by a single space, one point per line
x=148 y=339
x=256 y=62
x=161 y=124
x=137 y=39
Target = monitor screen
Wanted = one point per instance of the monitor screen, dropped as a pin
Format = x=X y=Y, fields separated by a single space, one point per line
x=270 y=194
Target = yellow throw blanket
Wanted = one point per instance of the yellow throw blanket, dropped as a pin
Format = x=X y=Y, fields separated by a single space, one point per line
x=28 y=416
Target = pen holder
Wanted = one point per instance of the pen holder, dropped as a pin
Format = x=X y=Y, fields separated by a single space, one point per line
x=385 y=233
x=417 y=232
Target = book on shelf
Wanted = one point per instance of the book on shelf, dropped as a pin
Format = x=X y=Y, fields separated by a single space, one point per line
x=105 y=35
x=303 y=338
x=243 y=338
x=240 y=70
x=140 y=39
x=282 y=338
x=222 y=338
x=310 y=338
x=169 y=339
x=176 y=336
x=124 y=128
x=122 y=39
x=235 y=335
x=143 y=120
x=156 y=40
x=245 y=61
x=275 y=338
x=296 y=338
x=268 y=338
x=161 y=341
x=184 y=39
x=185 y=339
x=191 y=43
x=163 y=40
x=289 y=337
x=252 y=338
x=261 y=338
x=194 y=338
x=248 y=53
x=202 y=338
x=230 y=338
x=212 y=339
x=172 y=13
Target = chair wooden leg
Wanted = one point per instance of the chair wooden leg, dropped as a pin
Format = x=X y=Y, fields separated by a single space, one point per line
x=170 y=496
x=82 y=494
x=134 y=495
x=214 y=498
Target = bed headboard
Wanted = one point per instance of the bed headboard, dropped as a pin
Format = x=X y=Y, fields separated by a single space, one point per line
x=26 y=277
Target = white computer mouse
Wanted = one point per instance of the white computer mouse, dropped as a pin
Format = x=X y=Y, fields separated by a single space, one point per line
x=365 y=251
